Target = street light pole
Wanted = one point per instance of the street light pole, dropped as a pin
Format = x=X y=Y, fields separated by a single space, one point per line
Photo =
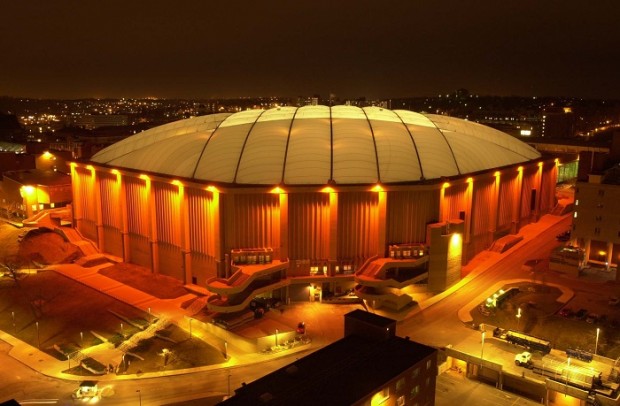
x=276 y=337
x=38 y=337
x=598 y=330
x=190 y=328
x=139 y=396
x=482 y=350
x=518 y=317
x=225 y=349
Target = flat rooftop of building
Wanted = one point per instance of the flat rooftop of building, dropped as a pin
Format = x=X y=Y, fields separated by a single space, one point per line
x=370 y=318
x=38 y=177
x=341 y=373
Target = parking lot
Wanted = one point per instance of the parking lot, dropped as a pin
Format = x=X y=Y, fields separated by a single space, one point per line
x=534 y=310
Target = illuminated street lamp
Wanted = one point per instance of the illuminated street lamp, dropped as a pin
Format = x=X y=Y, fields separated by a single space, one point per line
x=518 y=317
x=225 y=349
x=276 y=337
x=598 y=331
x=38 y=337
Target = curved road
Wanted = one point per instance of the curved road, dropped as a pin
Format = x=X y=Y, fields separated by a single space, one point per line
x=437 y=325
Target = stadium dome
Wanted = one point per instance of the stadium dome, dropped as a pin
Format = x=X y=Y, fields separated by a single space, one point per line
x=316 y=145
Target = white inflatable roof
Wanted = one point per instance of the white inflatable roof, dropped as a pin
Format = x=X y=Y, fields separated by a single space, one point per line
x=314 y=145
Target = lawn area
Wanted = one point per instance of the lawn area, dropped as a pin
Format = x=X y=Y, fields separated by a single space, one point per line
x=51 y=311
x=66 y=311
x=160 y=286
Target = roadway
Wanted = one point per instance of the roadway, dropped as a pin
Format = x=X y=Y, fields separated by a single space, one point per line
x=437 y=325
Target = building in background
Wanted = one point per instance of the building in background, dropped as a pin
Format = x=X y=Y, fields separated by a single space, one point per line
x=287 y=201
x=369 y=366
x=27 y=192
x=92 y=121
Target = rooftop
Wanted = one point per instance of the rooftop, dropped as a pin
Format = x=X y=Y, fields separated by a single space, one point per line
x=317 y=145
x=339 y=374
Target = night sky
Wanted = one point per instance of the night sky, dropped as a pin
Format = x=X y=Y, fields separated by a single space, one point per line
x=377 y=49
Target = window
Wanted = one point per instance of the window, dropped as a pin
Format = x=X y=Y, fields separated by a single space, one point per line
x=400 y=401
x=381 y=397
x=429 y=363
x=601 y=192
x=575 y=214
x=428 y=381
x=598 y=218
x=415 y=391
x=400 y=384
x=415 y=373
x=597 y=231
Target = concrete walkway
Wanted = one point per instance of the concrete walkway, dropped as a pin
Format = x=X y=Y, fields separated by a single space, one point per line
x=171 y=309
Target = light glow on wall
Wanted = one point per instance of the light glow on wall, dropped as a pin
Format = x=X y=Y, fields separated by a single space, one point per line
x=445 y=185
x=28 y=190
x=328 y=189
x=277 y=190
x=377 y=188
x=455 y=242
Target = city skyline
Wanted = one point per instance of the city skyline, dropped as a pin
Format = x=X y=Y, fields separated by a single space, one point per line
x=198 y=50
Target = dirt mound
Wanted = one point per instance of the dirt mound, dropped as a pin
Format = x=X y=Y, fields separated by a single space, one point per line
x=47 y=248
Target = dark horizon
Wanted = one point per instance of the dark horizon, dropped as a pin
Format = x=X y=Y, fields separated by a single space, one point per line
x=198 y=50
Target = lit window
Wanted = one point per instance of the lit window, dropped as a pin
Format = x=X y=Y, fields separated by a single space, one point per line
x=400 y=383
x=400 y=401
x=428 y=364
x=380 y=398
x=575 y=214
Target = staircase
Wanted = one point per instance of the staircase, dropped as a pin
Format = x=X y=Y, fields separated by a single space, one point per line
x=147 y=333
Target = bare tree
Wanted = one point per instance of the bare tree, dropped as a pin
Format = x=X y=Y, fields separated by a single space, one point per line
x=12 y=266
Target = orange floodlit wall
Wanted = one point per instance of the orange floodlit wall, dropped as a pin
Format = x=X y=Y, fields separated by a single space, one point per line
x=188 y=230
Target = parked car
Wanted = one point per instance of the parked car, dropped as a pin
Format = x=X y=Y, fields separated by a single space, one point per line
x=566 y=312
x=581 y=314
x=614 y=300
x=565 y=236
x=592 y=318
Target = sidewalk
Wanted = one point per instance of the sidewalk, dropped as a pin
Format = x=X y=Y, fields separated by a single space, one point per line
x=171 y=309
